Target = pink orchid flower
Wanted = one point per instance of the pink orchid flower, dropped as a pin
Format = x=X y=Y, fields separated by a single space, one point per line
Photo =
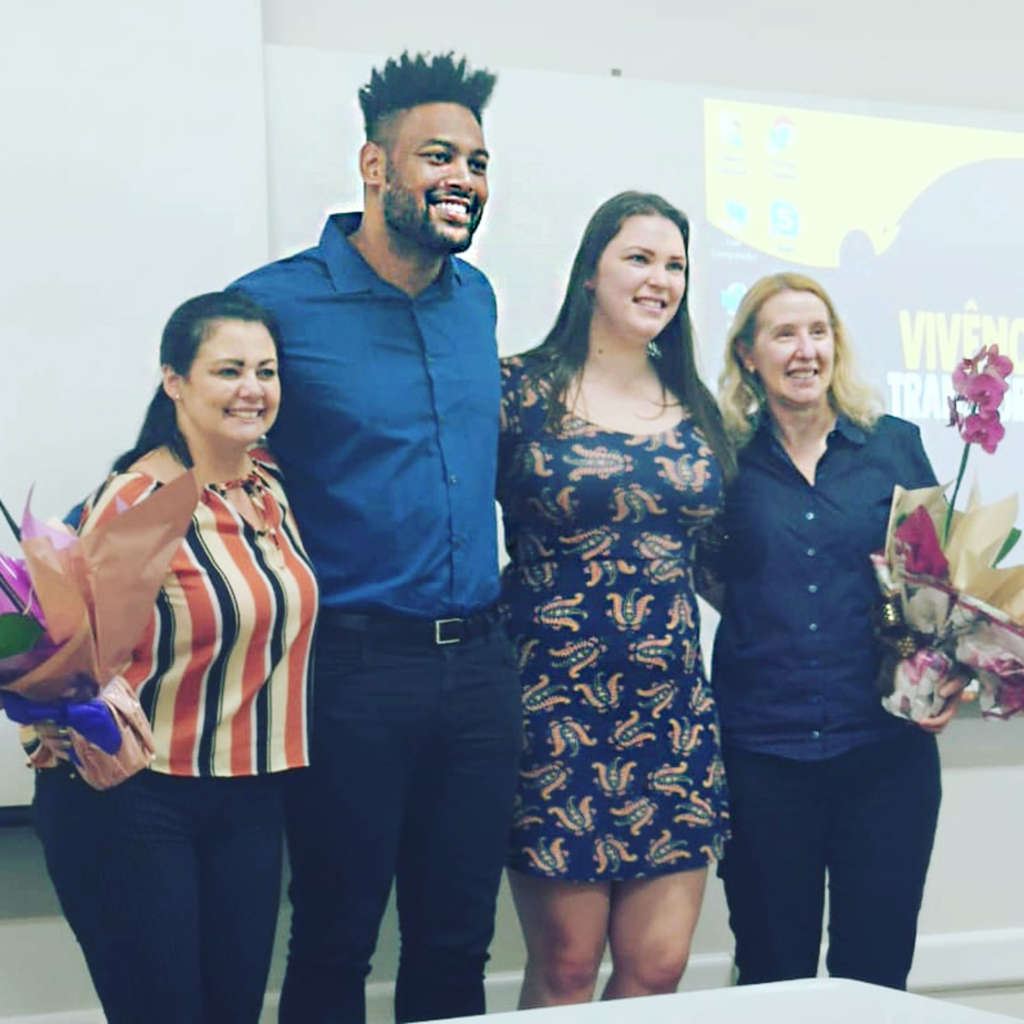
x=982 y=389
x=985 y=388
x=983 y=429
x=1003 y=365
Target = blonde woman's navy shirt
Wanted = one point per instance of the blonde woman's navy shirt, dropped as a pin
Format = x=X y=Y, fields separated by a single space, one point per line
x=794 y=658
x=388 y=430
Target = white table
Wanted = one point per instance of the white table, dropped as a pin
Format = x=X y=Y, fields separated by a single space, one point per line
x=813 y=1001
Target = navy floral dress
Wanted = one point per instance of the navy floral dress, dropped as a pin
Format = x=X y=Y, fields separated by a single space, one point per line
x=621 y=774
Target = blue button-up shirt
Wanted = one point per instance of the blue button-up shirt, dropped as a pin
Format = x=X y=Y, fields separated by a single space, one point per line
x=795 y=659
x=388 y=430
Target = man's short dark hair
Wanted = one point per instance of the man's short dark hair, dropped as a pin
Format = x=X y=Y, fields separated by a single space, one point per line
x=411 y=81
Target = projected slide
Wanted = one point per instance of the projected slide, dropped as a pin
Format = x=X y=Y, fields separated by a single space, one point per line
x=916 y=229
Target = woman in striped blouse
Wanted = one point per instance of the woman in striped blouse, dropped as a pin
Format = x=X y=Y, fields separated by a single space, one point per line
x=171 y=880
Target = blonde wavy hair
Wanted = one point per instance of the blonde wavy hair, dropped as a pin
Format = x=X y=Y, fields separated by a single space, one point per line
x=740 y=395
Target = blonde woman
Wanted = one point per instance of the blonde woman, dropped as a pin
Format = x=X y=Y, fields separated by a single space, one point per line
x=826 y=788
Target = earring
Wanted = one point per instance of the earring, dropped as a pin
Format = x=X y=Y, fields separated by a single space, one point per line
x=653 y=349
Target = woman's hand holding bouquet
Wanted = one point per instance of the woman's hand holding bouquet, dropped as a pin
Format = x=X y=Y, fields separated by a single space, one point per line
x=70 y=615
x=949 y=614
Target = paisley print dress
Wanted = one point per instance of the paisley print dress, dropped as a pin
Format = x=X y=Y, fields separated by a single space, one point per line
x=621 y=775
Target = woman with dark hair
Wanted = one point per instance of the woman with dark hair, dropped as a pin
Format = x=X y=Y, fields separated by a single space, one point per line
x=171 y=880
x=824 y=784
x=613 y=459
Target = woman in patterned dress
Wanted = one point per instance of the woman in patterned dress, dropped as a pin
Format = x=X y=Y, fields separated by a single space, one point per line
x=613 y=459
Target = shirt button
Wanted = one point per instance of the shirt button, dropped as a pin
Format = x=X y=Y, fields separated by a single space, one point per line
x=811 y=552
x=453 y=479
x=812 y=588
x=813 y=627
x=808 y=516
x=815 y=734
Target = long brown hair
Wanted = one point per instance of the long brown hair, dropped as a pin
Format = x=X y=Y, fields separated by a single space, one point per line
x=558 y=359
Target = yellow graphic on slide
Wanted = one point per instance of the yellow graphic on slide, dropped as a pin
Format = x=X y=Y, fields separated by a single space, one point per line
x=796 y=183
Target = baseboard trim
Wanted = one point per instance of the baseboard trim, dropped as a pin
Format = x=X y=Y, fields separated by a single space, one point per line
x=15 y=816
x=968 y=960
x=945 y=966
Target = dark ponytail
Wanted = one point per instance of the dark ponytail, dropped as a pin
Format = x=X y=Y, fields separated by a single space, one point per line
x=159 y=430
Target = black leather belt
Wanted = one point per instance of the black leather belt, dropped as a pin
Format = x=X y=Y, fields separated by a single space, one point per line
x=415 y=632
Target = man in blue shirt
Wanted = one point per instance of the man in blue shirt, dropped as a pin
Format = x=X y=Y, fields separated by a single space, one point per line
x=388 y=440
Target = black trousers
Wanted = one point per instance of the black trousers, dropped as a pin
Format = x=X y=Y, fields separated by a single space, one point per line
x=415 y=752
x=172 y=887
x=865 y=820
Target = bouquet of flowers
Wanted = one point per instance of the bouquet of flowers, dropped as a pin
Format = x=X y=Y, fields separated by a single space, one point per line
x=73 y=609
x=948 y=611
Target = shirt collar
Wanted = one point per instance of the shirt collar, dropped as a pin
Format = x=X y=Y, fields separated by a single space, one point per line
x=849 y=430
x=844 y=428
x=352 y=275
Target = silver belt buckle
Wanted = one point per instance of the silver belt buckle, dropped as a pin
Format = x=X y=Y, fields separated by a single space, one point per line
x=439 y=625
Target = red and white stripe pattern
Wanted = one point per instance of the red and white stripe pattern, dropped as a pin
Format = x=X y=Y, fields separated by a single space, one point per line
x=222 y=668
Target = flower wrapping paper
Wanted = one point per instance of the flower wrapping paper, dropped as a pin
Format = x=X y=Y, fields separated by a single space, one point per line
x=96 y=593
x=959 y=615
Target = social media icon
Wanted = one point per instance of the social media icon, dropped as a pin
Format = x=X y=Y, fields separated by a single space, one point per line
x=780 y=135
x=729 y=132
x=737 y=216
x=783 y=219
x=731 y=296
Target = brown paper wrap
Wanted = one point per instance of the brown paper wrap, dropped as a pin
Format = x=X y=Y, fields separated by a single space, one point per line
x=98 y=591
x=975 y=539
x=974 y=619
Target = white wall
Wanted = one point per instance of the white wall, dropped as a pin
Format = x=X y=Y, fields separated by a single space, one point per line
x=133 y=176
x=142 y=125
x=945 y=54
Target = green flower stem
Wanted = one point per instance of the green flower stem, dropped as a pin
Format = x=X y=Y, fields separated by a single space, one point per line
x=956 y=490
x=10 y=522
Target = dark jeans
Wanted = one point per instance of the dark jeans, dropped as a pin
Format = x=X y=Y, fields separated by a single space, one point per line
x=866 y=819
x=172 y=887
x=415 y=753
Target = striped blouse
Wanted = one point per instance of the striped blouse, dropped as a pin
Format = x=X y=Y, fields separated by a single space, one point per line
x=221 y=670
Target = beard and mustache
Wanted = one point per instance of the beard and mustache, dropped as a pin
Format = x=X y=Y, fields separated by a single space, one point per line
x=413 y=223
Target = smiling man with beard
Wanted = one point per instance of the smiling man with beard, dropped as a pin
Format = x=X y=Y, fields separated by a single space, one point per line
x=388 y=439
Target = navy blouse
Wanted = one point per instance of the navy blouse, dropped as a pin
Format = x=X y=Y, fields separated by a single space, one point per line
x=794 y=658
